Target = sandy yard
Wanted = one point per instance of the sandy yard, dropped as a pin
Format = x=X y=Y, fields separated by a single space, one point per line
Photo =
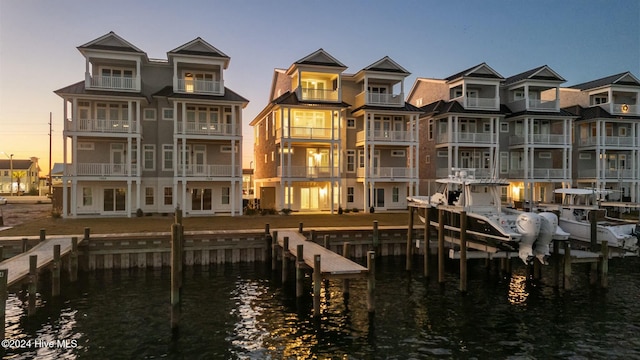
x=15 y=214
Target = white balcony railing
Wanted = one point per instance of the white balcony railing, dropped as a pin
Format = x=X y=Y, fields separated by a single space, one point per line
x=309 y=172
x=472 y=102
x=466 y=137
x=386 y=173
x=309 y=94
x=101 y=169
x=124 y=83
x=621 y=109
x=539 y=173
x=102 y=126
x=541 y=139
x=543 y=105
x=371 y=98
x=610 y=141
x=192 y=128
x=385 y=135
x=210 y=171
x=306 y=133
x=610 y=174
x=197 y=86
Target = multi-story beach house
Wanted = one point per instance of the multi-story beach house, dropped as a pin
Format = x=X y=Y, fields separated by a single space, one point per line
x=19 y=176
x=144 y=135
x=329 y=140
x=607 y=134
x=461 y=123
x=535 y=136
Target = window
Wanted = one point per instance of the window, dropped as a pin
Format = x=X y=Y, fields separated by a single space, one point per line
x=225 y=195
x=149 y=153
x=167 y=157
x=518 y=95
x=419 y=102
x=350 y=192
x=584 y=156
x=168 y=196
x=431 y=125
x=360 y=158
x=395 y=194
x=442 y=154
x=87 y=196
x=504 y=127
x=600 y=99
x=167 y=114
x=427 y=159
x=545 y=155
x=504 y=162
x=226 y=148
x=148 y=196
x=351 y=123
x=351 y=161
x=486 y=127
x=398 y=153
x=149 y=114
x=273 y=156
x=86 y=146
x=622 y=131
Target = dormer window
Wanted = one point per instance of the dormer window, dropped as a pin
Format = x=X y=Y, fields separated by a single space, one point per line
x=114 y=78
x=600 y=99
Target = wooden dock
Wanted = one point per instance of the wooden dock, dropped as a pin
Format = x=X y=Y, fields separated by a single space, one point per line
x=18 y=266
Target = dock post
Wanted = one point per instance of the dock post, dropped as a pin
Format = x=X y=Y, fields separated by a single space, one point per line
x=409 y=239
x=371 y=281
x=556 y=263
x=375 y=237
x=87 y=233
x=537 y=270
x=1 y=253
x=345 y=282
x=175 y=276
x=43 y=235
x=604 y=268
x=326 y=242
x=274 y=251
x=299 y=271
x=441 y=246
x=73 y=260
x=55 y=271
x=4 y=277
x=25 y=245
x=593 y=218
x=312 y=236
x=317 y=279
x=463 y=252
x=86 y=238
x=33 y=283
x=268 y=242
x=427 y=240
x=567 y=265
x=285 y=250
x=300 y=228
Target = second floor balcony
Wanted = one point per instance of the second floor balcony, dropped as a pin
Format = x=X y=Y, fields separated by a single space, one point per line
x=210 y=171
x=541 y=139
x=609 y=174
x=534 y=105
x=540 y=173
x=384 y=136
x=388 y=173
x=378 y=99
x=207 y=129
x=621 y=109
x=308 y=172
x=306 y=133
x=110 y=82
x=315 y=94
x=466 y=137
x=102 y=126
x=101 y=170
x=609 y=141
x=200 y=86
x=478 y=103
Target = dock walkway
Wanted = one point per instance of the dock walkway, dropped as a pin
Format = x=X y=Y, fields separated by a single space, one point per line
x=332 y=265
x=18 y=265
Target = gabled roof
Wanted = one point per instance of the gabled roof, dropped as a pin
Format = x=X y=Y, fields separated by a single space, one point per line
x=79 y=89
x=291 y=98
x=229 y=95
x=386 y=64
x=406 y=108
x=444 y=107
x=280 y=81
x=318 y=58
x=543 y=72
x=199 y=47
x=625 y=78
x=17 y=164
x=480 y=71
x=561 y=113
x=111 y=41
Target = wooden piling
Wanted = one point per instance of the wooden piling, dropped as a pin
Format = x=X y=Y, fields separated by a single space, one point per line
x=345 y=282
x=409 y=253
x=300 y=228
x=463 y=252
x=312 y=236
x=268 y=243
x=274 y=251
x=326 y=242
x=1 y=253
x=593 y=218
x=567 y=265
x=175 y=276
x=285 y=250
x=25 y=245
x=317 y=279
x=4 y=277
x=73 y=260
x=87 y=233
x=371 y=281
x=33 y=284
x=441 y=246
x=55 y=271
x=427 y=240
x=375 y=237
x=604 y=267
x=43 y=235
x=299 y=271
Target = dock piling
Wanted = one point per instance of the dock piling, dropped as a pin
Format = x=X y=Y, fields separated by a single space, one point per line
x=604 y=267
x=345 y=282
x=4 y=275
x=567 y=265
x=299 y=270
x=371 y=281
x=441 y=246
x=33 y=284
x=25 y=245
x=274 y=251
x=463 y=252
x=55 y=271
x=375 y=237
x=409 y=249
x=285 y=249
x=326 y=242
x=317 y=279
x=427 y=246
x=300 y=226
x=43 y=235
x=73 y=260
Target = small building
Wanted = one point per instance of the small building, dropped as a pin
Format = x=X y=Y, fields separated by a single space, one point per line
x=19 y=176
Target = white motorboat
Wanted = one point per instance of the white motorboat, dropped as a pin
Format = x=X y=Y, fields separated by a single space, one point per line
x=488 y=222
x=576 y=211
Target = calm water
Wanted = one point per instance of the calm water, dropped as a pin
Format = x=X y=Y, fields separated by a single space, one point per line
x=243 y=312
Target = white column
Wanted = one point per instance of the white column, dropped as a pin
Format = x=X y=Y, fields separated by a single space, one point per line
x=74 y=181
x=87 y=74
x=175 y=77
x=138 y=75
x=65 y=172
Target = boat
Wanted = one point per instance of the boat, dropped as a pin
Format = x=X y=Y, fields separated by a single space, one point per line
x=488 y=222
x=579 y=206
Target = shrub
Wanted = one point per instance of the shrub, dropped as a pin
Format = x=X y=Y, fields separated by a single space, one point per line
x=286 y=211
x=346 y=211
x=340 y=211
x=250 y=211
x=139 y=212
x=56 y=213
x=355 y=210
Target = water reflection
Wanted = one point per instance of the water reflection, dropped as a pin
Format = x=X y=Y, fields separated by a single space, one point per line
x=518 y=293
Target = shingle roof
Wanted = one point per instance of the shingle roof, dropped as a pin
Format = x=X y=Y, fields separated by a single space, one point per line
x=407 y=107
x=229 y=95
x=530 y=74
x=466 y=71
x=18 y=164
x=443 y=107
x=291 y=98
x=79 y=89
x=561 y=113
x=594 y=112
x=599 y=82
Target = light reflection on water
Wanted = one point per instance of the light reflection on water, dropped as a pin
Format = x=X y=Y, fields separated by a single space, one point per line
x=244 y=312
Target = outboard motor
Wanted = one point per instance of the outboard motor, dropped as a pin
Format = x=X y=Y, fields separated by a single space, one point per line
x=548 y=227
x=527 y=224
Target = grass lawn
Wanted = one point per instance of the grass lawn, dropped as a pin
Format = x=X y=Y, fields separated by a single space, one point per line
x=158 y=223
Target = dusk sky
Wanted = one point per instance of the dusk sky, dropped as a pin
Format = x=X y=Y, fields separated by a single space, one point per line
x=581 y=40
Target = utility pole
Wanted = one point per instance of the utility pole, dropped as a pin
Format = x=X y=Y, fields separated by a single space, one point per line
x=50 y=165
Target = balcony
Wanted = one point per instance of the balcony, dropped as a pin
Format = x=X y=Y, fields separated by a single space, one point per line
x=204 y=129
x=478 y=103
x=534 y=105
x=621 y=109
x=101 y=126
x=611 y=174
x=306 y=133
x=390 y=173
x=210 y=171
x=384 y=136
x=539 y=173
x=466 y=137
x=119 y=83
x=310 y=94
x=309 y=172
x=541 y=139
x=609 y=141
x=479 y=173
x=195 y=86
x=378 y=99
x=101 y=169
